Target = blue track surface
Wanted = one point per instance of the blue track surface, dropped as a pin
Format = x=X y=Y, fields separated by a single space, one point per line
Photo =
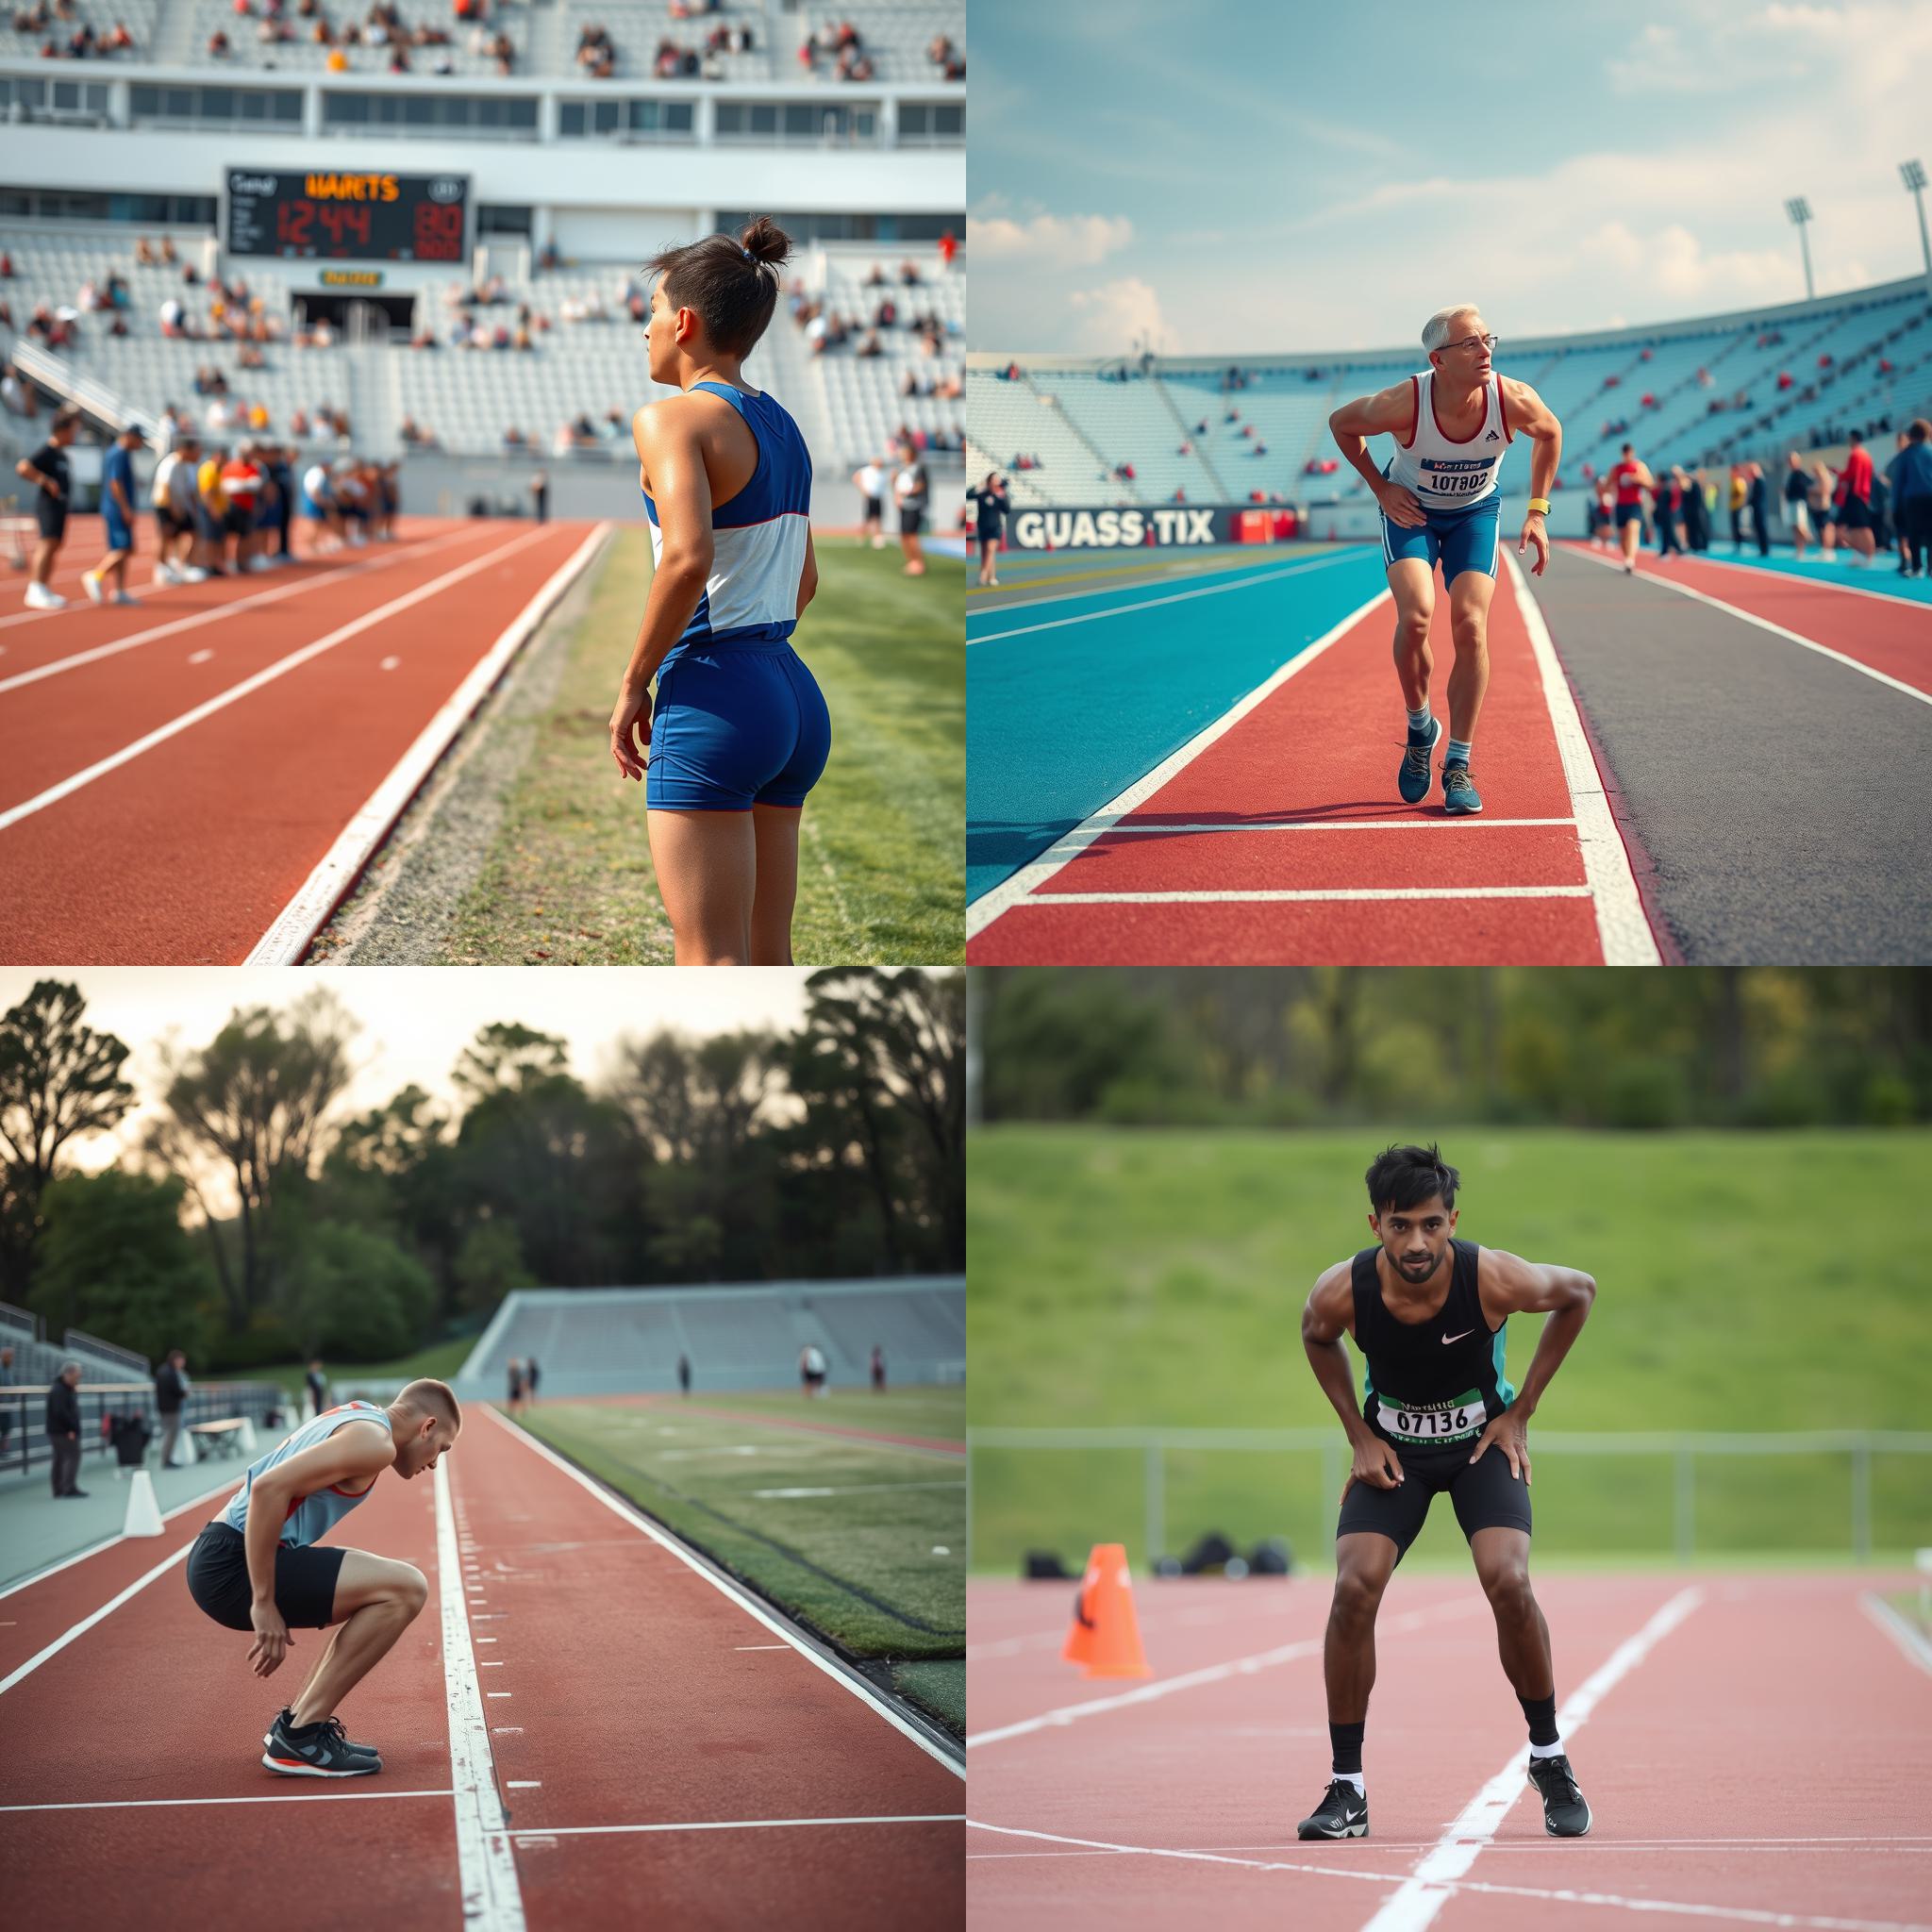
x=1881 y=573
x=1059 y=721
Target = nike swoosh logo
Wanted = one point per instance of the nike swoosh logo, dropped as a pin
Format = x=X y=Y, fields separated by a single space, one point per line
x=1448 y=1339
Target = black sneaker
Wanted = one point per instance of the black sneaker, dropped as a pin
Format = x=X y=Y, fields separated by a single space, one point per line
x=1344 y=1812
x=1565 y=1812
x=317 y=1751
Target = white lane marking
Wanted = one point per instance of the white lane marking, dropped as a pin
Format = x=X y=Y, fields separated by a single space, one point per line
x=292 y=929
x=1036 y=871
x=523 y=1783
x=1623 y=929
x=859 y=1489
x=1745 y=1914
x=88 y=1623
x=496 y=1693
x=221 y=1489
x=1432 y=1884
x=486 y=1860
x=1209 y=1674
x=1554 y=1848
x=1337 y=825
x=199 y=656
x=1908 y=1640
x=740 y=1824
x=856 y=1687
x=1291 y=569
x=1259 y=896
x=492 y=1663
x=268 y=675
x=1777 y=630
x=296 y=1797
x=761 y=1646
x=389 y=663
x=1792 y=577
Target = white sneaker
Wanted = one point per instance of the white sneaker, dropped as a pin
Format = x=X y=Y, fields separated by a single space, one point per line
x=194 y=575
x=92 y=585
x=39 y=598
x=256 y=565
x=166 y=574
x=122 y=597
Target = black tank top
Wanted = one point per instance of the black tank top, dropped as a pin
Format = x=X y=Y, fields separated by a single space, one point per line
x=1438 y=1381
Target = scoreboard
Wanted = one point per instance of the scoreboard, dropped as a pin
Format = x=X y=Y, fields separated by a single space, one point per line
x=323 y=216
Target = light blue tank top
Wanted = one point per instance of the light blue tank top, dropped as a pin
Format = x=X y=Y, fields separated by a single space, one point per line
x=310 y=1518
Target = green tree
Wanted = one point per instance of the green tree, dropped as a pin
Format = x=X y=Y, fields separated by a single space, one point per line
x=348 y=1292
x=489 y=1265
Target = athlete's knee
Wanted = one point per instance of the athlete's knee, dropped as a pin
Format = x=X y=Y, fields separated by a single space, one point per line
x=411 y=1588
x=1413 y=627
x=1508 y=1591
x=1357 y=1592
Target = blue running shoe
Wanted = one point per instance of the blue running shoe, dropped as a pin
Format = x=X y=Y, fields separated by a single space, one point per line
x=1412 y=780
x=1460 y=799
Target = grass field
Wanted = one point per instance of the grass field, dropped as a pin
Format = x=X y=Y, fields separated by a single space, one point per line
x=1745 y=1283
x=863 y=1541
x=441 y=1359
x=568 y=878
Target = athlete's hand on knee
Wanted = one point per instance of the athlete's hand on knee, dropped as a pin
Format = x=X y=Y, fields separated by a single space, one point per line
x=1511 y=1438
x=271 y=1640
x=1374 y=1464
x=1401 y=506
x=630 y=731
x=1533 y=532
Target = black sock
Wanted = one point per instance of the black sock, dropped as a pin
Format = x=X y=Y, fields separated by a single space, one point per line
x=1542 y=1713
x=1346 y=1743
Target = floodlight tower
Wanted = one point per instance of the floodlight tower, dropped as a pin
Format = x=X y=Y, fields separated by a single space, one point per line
x=1799 y=211
x=1913 y=174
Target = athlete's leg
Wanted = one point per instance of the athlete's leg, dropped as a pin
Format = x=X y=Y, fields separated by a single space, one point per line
x=1502 y=1563
x=707 y=865
x=376 y=1600
x=1469 y=626
x=1364 y=1561
x=1412 y=584
x=775 y=832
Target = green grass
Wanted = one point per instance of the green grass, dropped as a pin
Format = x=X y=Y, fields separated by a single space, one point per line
x=441 y=1359
x=1745 y=1283
x=859 y=1566
x=937 y=1413
x=569 y=880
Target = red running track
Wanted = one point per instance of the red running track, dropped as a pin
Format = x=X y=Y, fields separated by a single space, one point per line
x=184 y=851
x=1298 y=796
x=663 y=1756
x=1769 y=1755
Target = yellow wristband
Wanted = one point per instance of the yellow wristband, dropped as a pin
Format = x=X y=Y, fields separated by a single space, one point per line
x=1539 y=505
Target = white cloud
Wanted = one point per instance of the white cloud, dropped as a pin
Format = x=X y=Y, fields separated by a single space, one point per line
x=1070 y=241
x=1118 y=314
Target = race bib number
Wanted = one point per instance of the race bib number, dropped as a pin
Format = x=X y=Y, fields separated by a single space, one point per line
x=1460 y=1420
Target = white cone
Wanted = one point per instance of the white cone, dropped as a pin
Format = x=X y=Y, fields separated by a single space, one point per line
x=143 y=1512
x=247 y=1434
x=183 y=1456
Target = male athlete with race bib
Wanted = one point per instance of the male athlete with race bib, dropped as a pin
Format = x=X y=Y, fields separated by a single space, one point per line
x=1428 y=1312
x=1453 y=423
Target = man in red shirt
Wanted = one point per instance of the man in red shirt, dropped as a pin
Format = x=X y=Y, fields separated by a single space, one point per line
x=1855 y=516
x=1630 y=479
x=242 y=482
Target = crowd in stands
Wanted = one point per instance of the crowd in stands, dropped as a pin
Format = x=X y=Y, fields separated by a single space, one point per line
x=382 y=30
x=81 y=43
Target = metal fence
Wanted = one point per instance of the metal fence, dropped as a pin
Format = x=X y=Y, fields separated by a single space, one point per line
x=25 y=1445
x=1684 y=1449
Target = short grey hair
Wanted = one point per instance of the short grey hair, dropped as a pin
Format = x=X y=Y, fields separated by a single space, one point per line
x=1436 y=330
x=69 y=1368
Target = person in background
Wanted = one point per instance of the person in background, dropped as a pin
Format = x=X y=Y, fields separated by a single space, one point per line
x=878 y=1370
x=991 y=504
x=1667 y=496
x=868 y=479
x=1696 y=513
x=46 y=470
x=7 y=1381
x=279 y=465
x=539 y=495
x=118 y=516
x=684 y=1373
x=532 y=1370
x=910 y=491
x=1825 y=500
x=1911 y=483
x=1855 y=517
x=63 y=1430
x=514 y=1393
x=212 y=511
x=1798 y=504
x=317 y=1385
x=242 y=482
x=811 y=1369
x=170 y=1393
x=1740 y=489
x=1757 y=500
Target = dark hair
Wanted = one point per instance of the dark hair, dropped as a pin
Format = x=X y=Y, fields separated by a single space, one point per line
x=1853 y=438
x=66 y=417
x=726 y=281
x=1629 y=447
x=1920 y=429
x=1405 y=1177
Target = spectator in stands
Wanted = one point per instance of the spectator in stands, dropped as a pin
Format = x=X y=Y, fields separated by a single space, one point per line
x=1912 y=481
x=991 y=505
x=170 y=1393
x=19 y=397
x=46 y=470
x=868 y=479
x=910 y=492
x=946 y=57
x=218 y=45
x=63 y=1430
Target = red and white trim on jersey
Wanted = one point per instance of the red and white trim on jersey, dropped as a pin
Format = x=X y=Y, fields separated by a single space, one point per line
x=1415 y=412
x=1444 y=471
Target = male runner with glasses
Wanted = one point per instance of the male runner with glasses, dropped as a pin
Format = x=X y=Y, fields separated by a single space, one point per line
x=1428 y=1312
x=1452 y=425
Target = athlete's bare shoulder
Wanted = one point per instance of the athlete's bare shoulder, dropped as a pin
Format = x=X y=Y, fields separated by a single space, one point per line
x=1389 y=411
x=1330 y=1310
x=1530 y=415
x=1508 y=1285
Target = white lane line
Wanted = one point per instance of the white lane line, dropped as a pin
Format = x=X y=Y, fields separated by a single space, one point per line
x=1740 y=1914
x=1623 y=930
x=1436 y=825
x=1036 y=871
x=740 y=1824
x=389 y=663
x=288 y=934
x=496 y=1693
x=761 y=1646
x=199 y=656
x=993 y=637
x=523 y=1783
x=1792 y=577
x=1911 y=1642
x=1190 y=1680
x=88 y=1623
x=268 y=675
x=221 y=1489
x=1777 y=630
x=752 y=1608
x=860 y=1489
x=1430 y=1886
x=1259 y=896
x=198 y=619
x=486 y=1860
x=297 y=1797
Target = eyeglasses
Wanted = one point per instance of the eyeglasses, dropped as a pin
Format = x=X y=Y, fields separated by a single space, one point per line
x=1488 y=343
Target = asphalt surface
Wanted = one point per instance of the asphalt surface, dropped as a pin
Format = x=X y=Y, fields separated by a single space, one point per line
x=1779 y=796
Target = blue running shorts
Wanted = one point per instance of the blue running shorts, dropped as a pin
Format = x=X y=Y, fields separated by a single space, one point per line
x=1458 y=540
x=736 y=726
x=118 y=536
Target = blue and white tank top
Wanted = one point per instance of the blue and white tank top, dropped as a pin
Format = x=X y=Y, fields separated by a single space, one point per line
x=310 y=1518
x=757 y=539
x=1440 y=472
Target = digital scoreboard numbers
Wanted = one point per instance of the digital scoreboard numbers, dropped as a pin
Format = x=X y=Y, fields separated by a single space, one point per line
x=332 y=217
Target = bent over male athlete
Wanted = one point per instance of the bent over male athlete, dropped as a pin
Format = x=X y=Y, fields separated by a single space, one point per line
x=257 y=1567
x=1428 y=1312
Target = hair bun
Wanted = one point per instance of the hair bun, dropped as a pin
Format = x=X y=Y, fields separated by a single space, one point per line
x=765 y=242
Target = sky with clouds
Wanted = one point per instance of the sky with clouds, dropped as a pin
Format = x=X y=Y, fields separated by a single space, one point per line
x=1264 y=175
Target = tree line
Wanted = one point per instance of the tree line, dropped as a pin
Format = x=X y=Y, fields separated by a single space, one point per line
x=1720 y=1046
x=258 y=1220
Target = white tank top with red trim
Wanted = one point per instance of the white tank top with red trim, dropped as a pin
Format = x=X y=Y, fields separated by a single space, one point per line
x=1440 y=472
x=310 y=1518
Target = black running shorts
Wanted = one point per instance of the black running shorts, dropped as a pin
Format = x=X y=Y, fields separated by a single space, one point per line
x=1485 y=1494
x=305 y=1580
x=50 y=514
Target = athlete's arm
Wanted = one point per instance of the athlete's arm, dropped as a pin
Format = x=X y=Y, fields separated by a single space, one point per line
x=1323 y=1322
x=1387 y=413
x=1510 y=1286
x=809 y=577
x=353 y=1456
x=670 y=457
x=1530 y=416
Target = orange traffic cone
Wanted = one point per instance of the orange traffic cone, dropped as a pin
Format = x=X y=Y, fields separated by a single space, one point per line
x=1105 y=1636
